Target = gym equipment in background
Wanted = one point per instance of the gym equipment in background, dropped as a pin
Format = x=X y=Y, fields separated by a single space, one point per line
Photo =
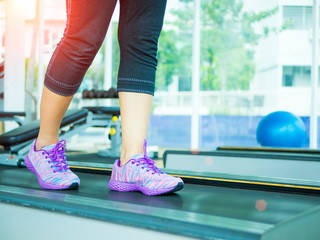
x=93 y=93
x=17 y=142
x=281 y=129
x=115 y=130
x=12 y=116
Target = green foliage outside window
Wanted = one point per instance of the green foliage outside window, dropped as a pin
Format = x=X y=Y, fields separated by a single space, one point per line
x=228 y=40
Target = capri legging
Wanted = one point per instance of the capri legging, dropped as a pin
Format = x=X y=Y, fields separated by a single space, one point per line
x=140 y=25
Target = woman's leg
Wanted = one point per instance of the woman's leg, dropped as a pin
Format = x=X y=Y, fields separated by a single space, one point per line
x=139 y=29
x=135 y=115
x=140 y=25
x=52 y=109
x=87 y=23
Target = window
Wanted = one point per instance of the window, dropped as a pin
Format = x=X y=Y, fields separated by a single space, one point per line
x=296 y=76
x=297 y=17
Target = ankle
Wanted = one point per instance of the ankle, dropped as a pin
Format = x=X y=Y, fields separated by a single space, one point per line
x=40 y=143
x=125 y=157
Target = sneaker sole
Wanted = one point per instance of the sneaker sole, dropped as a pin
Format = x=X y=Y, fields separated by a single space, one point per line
x=131 y=187
x=44 y=184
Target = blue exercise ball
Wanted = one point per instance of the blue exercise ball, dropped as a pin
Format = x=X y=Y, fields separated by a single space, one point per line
x=281 y=129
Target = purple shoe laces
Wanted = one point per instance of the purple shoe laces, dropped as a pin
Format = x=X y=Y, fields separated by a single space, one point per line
x=147 y=162
x=57 y=156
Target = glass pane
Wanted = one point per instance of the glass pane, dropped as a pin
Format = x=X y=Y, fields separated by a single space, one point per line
x=308 y=17
x=253 y=62
x=293 y=16
x=296 y=76
x=170 y=120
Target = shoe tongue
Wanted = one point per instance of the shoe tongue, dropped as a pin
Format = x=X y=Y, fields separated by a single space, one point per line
x=49 y=147
x=137 y=156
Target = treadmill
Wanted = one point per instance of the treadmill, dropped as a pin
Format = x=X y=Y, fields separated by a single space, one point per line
x=211 y=206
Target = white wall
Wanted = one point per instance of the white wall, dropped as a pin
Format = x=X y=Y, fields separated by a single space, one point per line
x=295 y=100
x=295 y=48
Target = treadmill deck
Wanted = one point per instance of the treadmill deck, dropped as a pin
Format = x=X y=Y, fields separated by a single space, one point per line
x=209 y=210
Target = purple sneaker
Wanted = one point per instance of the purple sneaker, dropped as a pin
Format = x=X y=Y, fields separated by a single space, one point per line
x=50 y=166
x=140 y=174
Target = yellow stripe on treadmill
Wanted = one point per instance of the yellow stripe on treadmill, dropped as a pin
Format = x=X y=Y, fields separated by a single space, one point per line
x=251 y=182
x=217 y=179
x=92 y=168
x=269 y=149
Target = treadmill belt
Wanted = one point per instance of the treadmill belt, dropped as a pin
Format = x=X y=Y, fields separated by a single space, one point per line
x=89 y=157
x=226 y=203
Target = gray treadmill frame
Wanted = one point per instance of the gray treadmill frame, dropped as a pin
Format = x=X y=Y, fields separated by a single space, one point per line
x=303 y=170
